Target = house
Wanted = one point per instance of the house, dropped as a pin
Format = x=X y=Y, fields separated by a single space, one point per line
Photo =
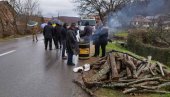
x=140 y=21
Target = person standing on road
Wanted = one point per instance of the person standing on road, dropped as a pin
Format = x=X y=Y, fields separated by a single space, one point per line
x=47 y=32
x=71 y=44
x=63 y=38
x=34 y=33
x=57 y=35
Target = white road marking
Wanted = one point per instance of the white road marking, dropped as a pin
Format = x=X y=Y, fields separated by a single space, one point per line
x=7 y=53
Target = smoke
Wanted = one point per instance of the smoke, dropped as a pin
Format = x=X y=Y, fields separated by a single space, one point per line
x=123 y=17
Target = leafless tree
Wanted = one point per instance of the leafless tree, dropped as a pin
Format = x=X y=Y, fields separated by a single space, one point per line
x=26 y=8
x=99 y=7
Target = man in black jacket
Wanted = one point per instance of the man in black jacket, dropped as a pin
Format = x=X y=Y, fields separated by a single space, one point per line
x=71 y=44
x=57 y=35
x=47 y=32
x=63 y=38
x=103 y=39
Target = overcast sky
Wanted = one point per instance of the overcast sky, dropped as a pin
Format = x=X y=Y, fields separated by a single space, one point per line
x=53 y=7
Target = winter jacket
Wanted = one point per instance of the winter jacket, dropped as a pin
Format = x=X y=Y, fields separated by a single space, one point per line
x=103 y=36
x=47 y=31
x=57 y=32
x=63 y=33
x=71 y=42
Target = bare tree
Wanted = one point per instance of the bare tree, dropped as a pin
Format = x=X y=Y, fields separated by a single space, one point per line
x=100 y=7
x=26 y=8
x=30 y=9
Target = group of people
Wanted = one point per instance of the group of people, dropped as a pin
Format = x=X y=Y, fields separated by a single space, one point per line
x=63 y=36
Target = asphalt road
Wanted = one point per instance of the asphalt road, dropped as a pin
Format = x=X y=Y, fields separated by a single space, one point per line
x=27 y=70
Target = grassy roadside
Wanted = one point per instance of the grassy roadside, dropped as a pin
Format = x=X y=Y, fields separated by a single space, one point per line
x=115 y=93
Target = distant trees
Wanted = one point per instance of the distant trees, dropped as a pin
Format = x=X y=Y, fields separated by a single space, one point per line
x=24 y=9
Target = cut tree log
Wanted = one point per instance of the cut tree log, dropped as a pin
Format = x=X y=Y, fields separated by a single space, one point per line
x=99 y=75
x=115 y=75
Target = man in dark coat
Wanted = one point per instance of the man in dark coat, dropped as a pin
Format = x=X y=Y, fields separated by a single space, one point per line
x=71 y=44
x=63 y=38
x=103 y=39
x=57 y=35
x=100 y=39
x=47 y=32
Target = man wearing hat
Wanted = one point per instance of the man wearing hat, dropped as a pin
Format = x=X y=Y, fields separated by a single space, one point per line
x=71 y=43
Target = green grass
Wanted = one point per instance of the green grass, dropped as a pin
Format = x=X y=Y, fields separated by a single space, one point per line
x=121 y=34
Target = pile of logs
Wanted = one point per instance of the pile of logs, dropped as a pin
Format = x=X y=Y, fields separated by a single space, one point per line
x=123 y=71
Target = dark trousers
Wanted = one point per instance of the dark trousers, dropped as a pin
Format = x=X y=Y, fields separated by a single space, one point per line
x=103 y=47
x=97 y=50
x=70 y=58
x=64 y=48
x=48 y=40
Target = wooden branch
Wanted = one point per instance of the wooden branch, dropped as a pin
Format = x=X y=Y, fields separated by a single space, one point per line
x=140 y=70
x=163 y=85
x=129 y=90
x=129 y=74
x=161 y=69
x=142 y=80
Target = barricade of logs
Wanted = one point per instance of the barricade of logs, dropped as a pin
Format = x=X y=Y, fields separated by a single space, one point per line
x=123 y=71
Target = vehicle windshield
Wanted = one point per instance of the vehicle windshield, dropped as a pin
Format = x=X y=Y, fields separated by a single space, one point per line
x=91 y=22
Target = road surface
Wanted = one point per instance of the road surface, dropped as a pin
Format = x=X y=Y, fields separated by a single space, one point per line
x=27 y=70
